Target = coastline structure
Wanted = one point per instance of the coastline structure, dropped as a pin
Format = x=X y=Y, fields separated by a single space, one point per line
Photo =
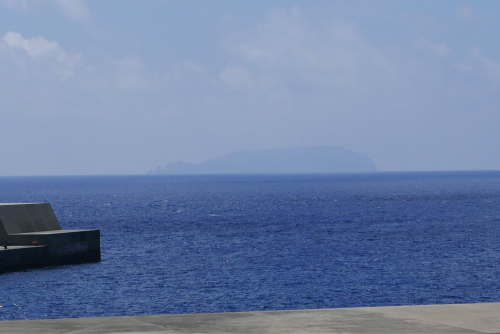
x=31 y=236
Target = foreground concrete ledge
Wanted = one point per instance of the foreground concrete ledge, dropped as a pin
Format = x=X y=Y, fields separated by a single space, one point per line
x=456 y=318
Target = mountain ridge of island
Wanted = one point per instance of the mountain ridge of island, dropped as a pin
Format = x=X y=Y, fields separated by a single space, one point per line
x=291 y=160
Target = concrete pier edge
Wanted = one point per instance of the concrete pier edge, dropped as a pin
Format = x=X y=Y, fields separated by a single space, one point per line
x=448 y=318
x=31 y=237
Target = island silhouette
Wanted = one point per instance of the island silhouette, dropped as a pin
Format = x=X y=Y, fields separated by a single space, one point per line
x=291 y=160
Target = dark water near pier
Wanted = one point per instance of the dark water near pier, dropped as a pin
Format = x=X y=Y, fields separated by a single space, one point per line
x=184 y=244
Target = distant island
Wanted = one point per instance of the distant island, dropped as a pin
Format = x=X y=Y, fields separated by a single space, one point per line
x=292 y=160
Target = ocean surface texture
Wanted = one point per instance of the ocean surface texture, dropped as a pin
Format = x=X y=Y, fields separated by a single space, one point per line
x=184 y=244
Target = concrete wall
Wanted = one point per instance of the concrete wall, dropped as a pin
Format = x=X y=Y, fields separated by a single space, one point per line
x=28 y=217
x=34 y=237
x=19 y=257
x=64 y=246
x=3 y=234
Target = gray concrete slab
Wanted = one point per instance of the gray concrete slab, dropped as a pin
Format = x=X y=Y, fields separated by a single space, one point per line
x=35 y=224
x=480 y=317
x=457 y=318
x=50 y=232
x=4 y=237
x=28 y=217
x=19 y=257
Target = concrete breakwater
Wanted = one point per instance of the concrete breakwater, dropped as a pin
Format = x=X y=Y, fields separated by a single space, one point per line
x=31 y=236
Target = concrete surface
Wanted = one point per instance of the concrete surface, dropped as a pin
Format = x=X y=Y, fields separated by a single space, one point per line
x=35 y=227
x=27 y=217
x=457 y=318
x=64 y=246
x=28 y=256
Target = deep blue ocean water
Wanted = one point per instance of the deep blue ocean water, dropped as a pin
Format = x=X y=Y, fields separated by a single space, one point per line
x=184 y=244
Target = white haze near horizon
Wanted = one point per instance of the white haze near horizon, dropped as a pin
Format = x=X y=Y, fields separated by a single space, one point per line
x=120 y=86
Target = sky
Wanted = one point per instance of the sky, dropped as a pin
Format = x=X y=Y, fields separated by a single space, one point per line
x=121 y=86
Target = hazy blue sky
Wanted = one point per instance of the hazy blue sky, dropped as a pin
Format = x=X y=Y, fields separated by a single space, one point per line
x=121 y=86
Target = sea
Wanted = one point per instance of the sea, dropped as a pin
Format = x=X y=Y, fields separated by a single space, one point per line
x=230 y=243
